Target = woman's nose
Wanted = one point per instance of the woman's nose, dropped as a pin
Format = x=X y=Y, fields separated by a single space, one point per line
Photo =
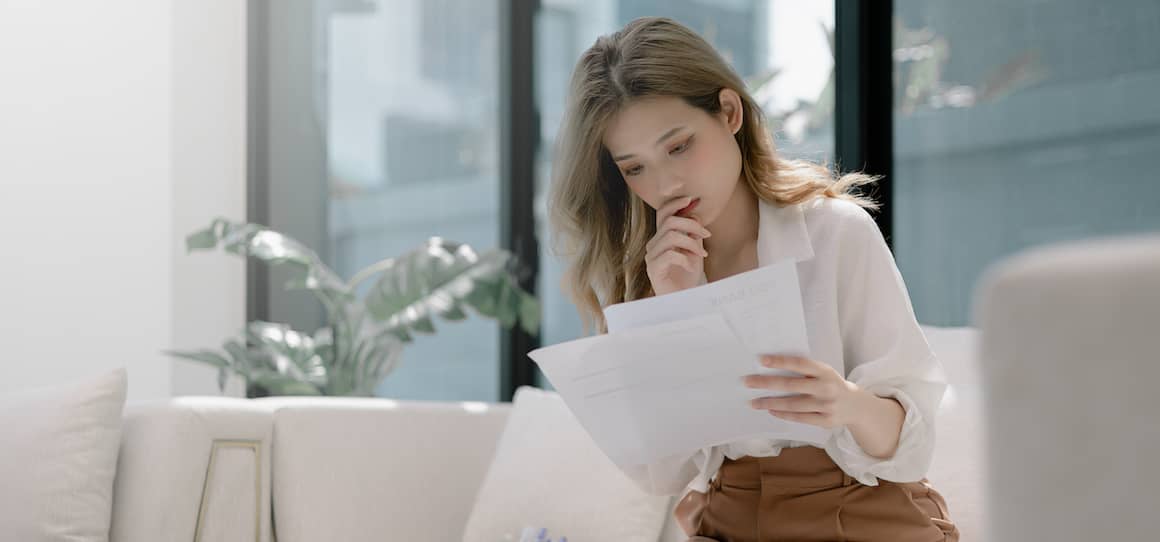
x=671 y=190
x=670 y=184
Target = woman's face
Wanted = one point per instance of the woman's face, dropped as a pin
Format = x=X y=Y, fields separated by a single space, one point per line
x=667 y=149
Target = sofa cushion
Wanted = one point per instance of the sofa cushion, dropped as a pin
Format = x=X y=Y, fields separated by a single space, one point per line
x=59 y=446
x=378 y=469
x=548 y=473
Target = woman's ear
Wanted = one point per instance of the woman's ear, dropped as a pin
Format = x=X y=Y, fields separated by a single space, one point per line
x=731 y=109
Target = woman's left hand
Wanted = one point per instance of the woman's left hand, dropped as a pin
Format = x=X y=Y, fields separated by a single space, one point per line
x=827 y=399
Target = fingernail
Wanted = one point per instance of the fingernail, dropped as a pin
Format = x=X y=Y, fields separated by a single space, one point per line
x=708 y=233
x=767 y=361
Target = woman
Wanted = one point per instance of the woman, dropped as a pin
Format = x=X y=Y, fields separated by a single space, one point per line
x=666 y=178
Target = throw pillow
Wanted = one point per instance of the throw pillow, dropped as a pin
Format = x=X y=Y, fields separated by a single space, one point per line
x=547 y=473
x=59 y=447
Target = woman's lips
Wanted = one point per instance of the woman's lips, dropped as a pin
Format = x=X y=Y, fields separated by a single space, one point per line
x=689 y=208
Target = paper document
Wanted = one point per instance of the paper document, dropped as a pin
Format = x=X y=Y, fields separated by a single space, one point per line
x=667 y=378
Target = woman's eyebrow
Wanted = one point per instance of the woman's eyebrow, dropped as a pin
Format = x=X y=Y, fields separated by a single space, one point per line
x=662 y=139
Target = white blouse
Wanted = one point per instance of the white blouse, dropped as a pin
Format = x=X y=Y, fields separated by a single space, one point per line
x=858 y=316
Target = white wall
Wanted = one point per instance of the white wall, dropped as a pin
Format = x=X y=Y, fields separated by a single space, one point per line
x=101 y=170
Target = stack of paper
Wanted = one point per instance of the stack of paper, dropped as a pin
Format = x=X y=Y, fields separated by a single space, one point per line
x=668 y=377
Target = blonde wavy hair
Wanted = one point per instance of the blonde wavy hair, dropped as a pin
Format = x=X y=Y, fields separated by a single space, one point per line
x=598 y=226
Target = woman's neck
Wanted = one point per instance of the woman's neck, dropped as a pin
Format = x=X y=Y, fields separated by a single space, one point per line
x=735 y=229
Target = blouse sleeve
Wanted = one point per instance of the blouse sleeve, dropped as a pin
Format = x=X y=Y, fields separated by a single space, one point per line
x=885 y=353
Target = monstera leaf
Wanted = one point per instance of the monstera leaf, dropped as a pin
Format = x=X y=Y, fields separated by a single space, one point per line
x=289 y=352
x=260 y=365
x=363 y=338
x=274 y=248
x=443 y=278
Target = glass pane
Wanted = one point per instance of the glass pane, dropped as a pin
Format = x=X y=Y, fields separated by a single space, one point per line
x=758 y=37
x=1016 y=124
x=404 y=97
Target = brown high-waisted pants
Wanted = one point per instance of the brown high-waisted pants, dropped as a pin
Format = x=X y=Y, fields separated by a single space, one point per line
x=802 y=495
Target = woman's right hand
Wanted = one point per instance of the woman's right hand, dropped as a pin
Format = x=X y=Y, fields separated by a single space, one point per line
x=675 y=256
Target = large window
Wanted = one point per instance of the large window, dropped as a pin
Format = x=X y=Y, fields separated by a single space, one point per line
x=382 y=125
x=383 y=131
x=1016 y=124
x=379 y=123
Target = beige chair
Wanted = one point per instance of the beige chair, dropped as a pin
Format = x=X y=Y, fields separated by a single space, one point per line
x=1070 y=364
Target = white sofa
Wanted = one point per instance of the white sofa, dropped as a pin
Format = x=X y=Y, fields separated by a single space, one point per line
x=1066 y=354
x=313 y=469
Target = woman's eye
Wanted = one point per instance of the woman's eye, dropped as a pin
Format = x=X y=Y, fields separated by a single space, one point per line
x=682 y=147
x=634 y=170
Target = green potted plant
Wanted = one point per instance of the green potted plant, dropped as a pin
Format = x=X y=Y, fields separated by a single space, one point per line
x=365 y=332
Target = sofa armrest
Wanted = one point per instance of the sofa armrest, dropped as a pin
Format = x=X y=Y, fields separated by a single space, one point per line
x=1068 y=359
x=194 y=468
